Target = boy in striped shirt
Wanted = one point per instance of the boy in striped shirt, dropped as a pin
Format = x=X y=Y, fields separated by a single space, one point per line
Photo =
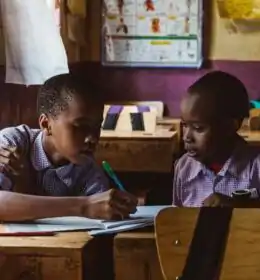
x=51 y=171
x=218 y=162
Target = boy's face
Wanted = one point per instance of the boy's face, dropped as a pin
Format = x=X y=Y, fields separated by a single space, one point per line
x=75 y=132
x=201 y=133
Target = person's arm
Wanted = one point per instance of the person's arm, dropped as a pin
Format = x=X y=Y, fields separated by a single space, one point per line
x=14 y=143
x=108 y=205
x=16 y=206
x=176 y=201
x=101 y=204
x=20 y=207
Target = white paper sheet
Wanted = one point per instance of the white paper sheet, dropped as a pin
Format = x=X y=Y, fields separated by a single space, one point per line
x=33 y=45
x=143 y=217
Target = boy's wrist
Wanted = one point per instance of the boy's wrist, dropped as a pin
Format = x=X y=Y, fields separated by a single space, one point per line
x=82 y=206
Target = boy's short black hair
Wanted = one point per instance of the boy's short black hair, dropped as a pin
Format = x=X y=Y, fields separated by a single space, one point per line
x=226 y=91
x=56 y=93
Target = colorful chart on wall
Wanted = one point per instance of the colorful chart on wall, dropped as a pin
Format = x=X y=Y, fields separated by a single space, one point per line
x=152 y=33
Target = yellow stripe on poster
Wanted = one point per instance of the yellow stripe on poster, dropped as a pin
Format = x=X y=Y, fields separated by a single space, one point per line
x=112 y=17
x=160 y=42
x=172 y=17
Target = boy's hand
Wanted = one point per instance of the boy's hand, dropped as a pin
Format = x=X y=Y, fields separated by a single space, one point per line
x=218 y=200
x=110 y=205
x=10 y=157
x=17 y=169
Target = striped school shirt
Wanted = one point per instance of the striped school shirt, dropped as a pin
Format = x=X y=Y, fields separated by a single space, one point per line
x=65 y=180
x=194 y=182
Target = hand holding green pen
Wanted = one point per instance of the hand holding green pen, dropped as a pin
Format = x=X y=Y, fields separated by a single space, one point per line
x=128 y=198
x=110 y=205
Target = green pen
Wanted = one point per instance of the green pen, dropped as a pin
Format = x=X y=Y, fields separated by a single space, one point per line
x=112 y=175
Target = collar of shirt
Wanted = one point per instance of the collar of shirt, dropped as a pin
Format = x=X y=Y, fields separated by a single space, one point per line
x=233 y=166
x=41 y=162
x=39 y=158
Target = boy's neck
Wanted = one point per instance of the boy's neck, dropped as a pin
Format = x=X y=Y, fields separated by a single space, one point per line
x=225 y=152
x=51 y=153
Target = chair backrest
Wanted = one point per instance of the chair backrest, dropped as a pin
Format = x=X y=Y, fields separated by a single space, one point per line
x=174 y=231
x=239 y=257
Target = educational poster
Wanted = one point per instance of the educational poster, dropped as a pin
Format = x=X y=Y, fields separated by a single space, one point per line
x=162 y=33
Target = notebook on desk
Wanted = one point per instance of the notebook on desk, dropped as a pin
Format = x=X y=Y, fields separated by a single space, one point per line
x=143 y=217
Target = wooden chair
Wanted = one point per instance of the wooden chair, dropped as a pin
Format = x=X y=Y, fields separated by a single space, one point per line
x=239 y=233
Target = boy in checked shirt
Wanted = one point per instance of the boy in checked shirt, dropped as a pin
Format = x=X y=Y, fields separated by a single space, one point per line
x=50 y=172
x=218 y=162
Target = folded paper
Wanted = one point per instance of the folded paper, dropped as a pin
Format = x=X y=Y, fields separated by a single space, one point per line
x=129 y=118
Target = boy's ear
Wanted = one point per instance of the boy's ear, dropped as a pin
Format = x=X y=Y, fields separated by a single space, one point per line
x=44 y=123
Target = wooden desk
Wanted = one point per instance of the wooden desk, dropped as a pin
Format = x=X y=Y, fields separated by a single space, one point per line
x=66 y=256
x=137 y=151
x=252 y=137
x=77 y=256
x=175 y=123
x=135 y=257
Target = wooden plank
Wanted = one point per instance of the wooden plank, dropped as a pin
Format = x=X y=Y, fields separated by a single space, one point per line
x=40 y=268
x=161 y=133
x=61 y=243
x=138 y=155
x=252 y=137
x=241 y=259
x=173 y=124
x=135 y=257
x=174 y=231
x=71 y=255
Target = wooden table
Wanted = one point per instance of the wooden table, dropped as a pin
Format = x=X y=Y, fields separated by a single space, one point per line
x=77 y=256
x=138 y=151
x=135 y=257
x=66 y=256
x=252 y=137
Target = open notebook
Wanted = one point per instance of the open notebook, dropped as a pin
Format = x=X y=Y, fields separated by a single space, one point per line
x=143 y=217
